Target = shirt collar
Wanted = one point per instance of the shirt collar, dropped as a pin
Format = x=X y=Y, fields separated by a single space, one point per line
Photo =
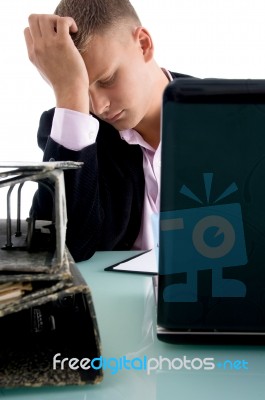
x=168 y=74
x=131 y=136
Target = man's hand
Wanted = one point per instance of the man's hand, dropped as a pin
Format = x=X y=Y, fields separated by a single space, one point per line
x=52 y=50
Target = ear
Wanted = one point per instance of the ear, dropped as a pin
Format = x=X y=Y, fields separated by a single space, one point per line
x=142 y=36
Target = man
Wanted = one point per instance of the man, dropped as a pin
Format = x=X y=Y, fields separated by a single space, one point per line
x=98 y=59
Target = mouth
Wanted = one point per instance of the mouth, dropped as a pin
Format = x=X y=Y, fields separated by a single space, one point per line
x=113 y=118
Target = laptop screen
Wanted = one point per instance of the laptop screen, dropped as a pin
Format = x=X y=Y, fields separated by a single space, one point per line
x=212 y=220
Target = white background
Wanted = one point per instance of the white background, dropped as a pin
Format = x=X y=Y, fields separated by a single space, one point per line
x=203 y=38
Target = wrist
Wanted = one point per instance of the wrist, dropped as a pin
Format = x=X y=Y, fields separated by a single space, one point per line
x=73 y=99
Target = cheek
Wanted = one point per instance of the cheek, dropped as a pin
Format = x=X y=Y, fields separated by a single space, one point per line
x=123 y=94
x=134 y=90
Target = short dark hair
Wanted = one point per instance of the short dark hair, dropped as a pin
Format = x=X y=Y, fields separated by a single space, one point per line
x=95 y=16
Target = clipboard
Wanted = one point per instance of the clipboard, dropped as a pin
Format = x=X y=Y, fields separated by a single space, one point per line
x=139 y=267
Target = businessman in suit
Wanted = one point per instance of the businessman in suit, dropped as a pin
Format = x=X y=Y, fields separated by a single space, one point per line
x=99 y=60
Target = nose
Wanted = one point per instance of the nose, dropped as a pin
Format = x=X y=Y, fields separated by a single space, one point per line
x=99 y=103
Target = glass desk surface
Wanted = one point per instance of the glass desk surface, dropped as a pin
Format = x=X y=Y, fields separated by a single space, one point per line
x=126 y=314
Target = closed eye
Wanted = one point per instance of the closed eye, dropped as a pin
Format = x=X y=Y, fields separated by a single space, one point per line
x=107 y=82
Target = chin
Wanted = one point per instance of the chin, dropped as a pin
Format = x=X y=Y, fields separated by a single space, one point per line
x=122 y=125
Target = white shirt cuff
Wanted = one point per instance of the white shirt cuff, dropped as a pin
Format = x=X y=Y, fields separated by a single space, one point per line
x=74 y=130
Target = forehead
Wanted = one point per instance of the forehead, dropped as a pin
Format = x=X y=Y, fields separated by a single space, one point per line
x=106 y=51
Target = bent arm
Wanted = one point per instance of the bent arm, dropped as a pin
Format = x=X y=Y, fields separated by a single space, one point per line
x=52 y=51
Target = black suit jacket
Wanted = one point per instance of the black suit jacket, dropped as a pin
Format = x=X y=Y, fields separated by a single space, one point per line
x=104 y=198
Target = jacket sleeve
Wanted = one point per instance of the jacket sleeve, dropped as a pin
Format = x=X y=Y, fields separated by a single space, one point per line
x=104 y=197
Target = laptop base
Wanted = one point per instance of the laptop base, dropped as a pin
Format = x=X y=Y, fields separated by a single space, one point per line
x=210 y=338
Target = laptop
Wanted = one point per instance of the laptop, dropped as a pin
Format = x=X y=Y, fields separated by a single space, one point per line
x=211 y=282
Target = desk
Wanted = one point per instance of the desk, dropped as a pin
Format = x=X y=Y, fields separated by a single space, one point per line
x=125 y=310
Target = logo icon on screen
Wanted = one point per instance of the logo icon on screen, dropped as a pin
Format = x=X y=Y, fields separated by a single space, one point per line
x=209 y=237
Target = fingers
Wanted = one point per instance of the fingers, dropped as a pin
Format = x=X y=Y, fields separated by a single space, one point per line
x=49 y=26
x=28 y=37
x=66 y=25
x=34 y=26
x=29 y=43
x=44 y=29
